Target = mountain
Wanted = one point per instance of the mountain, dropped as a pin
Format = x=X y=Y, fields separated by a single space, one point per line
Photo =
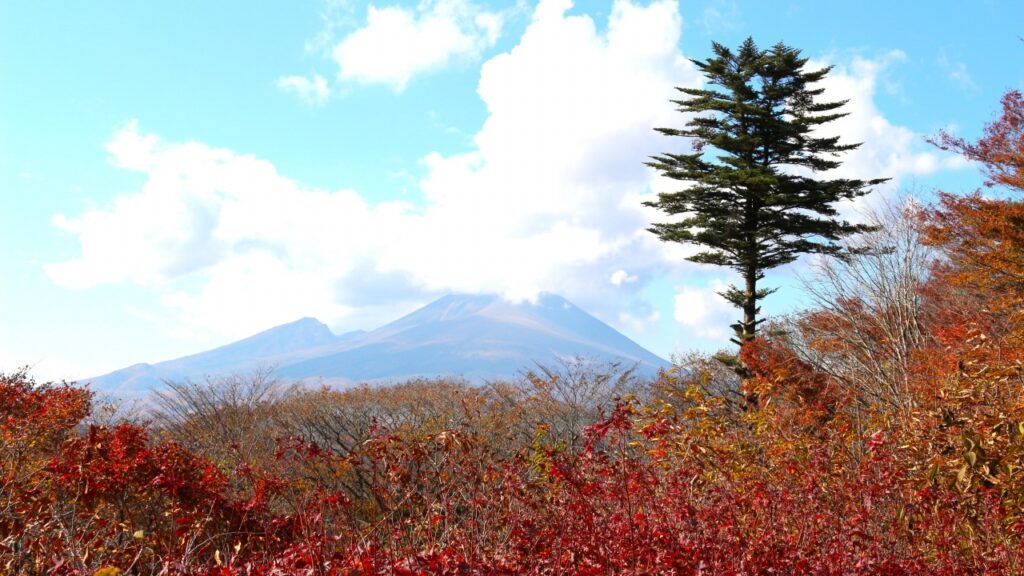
x=273 y=347
x=476 y=337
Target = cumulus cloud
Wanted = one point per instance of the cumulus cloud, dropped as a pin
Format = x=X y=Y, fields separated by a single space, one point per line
x=397 y=43
x=703 y=311
x=557 y=175
x=261 y=248
x=887 y=150
x=548 y=199
x=312 y=90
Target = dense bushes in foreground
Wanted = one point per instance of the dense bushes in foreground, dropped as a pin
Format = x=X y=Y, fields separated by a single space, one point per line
x=879 y=432
x=683 y=484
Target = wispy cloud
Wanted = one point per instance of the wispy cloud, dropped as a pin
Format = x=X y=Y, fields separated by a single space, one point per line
x=956 y=71
x=312 y=90
x=721 y=15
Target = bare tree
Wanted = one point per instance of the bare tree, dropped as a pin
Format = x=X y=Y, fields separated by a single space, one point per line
x=340 y=420
x=565 y=398
x=230 y=420
x=868 y=311
x=708 y=374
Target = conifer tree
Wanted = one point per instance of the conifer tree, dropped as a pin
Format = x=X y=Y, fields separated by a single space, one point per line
x=751 y=194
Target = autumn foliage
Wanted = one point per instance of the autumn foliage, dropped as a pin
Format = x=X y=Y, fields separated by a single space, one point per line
x=886 y=436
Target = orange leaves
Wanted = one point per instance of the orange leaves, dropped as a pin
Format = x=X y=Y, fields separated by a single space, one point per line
x=983 y=239
x=777 y=370
x=1001 y=150
x=976 y=368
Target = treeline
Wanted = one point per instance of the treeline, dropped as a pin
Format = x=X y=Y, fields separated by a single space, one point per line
x=881 y=431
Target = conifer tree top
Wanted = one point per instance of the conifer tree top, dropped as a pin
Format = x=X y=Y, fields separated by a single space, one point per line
x=751 y=195
x=754 y=192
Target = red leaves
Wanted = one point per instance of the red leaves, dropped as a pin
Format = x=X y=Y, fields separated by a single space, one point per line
x=877 y=440
x=618 y=422
x=53 y=410
x=759 y=497
x=812 y=479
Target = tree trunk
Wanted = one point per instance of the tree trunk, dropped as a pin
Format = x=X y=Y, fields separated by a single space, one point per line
x=749 y=330
x=749 y=306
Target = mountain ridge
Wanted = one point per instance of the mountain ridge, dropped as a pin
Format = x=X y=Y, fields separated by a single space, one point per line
x=477 y=337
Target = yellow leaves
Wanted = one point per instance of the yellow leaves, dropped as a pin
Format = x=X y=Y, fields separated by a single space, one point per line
x=979 y=466
x=963 y=475
x=657 y=453
x=107 y=571
x=694 y=394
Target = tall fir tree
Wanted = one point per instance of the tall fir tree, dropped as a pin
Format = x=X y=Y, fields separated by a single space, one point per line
x=751 y=196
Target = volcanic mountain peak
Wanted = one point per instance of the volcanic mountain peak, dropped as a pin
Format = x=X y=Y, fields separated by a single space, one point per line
x=479 y=337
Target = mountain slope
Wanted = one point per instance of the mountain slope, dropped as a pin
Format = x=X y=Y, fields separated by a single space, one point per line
x=273 y=347
x=475 y=337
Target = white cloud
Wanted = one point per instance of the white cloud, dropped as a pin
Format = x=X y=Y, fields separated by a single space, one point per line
x=703 y=310
x=639 y=323
x=397 y=44
x=49 y=368
x=557 y=175
x=313 y=91
x=547 y=200
x=261 y=248
x=886 y=150
x=620 y=277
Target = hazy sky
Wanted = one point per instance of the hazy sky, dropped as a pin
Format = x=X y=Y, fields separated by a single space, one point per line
x=176 y=175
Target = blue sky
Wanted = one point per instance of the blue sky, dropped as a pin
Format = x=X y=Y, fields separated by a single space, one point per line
x=174 y=176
